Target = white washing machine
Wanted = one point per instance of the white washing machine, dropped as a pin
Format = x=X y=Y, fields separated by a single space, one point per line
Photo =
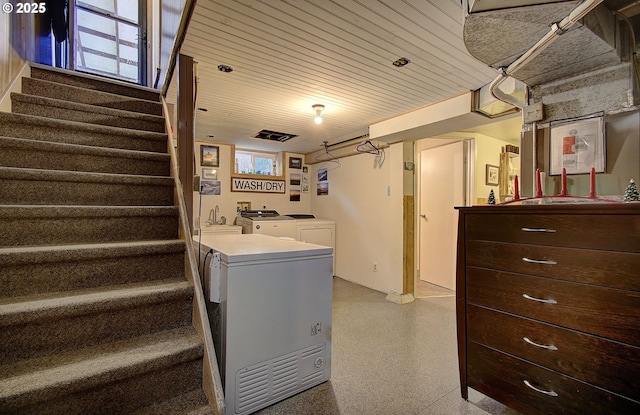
x=266 y=222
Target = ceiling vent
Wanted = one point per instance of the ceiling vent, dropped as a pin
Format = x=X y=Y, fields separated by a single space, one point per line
x=274 y=136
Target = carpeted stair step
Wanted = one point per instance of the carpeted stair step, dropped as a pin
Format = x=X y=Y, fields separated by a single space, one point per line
x=40 y=87
x=71 y=132
x=71 y=111
x=71 y=225
x=118 y=379
x=25 y=153
x=191 y=403
x=48 y=325
x=37 y=270
x=93 y=82
x=55 y=187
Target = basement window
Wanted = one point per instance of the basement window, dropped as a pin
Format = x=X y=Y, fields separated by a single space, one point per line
x=258 y=163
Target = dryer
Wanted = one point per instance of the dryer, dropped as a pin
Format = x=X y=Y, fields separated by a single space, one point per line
x=316 y=231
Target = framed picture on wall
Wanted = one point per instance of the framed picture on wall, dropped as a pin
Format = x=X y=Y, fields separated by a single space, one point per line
x=209 y=156
x=577 y=146
x=209 y=174
x=295 y=163
x=492 y=173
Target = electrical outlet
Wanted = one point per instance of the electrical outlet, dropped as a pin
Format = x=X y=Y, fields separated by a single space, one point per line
x=375 y=267
x=316 y=329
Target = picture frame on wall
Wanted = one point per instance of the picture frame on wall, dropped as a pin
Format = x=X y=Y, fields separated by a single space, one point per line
x=492 y=175
x=210 y=187
x=209 y=156
x=209 y=174
x=577 y=146
x=295 y=162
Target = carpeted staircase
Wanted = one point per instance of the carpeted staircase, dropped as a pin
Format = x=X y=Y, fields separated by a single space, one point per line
x=95 y=310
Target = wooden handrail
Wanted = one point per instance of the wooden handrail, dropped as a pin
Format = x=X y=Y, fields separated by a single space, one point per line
x=211 y=381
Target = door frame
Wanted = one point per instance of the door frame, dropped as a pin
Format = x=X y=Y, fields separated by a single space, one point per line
x=468 y=185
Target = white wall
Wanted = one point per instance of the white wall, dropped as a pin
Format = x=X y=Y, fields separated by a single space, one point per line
x=488 y=151
x=365 y=200
x=227 y=200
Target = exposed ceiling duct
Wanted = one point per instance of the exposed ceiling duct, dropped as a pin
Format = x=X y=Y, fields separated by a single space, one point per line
x=524 y=42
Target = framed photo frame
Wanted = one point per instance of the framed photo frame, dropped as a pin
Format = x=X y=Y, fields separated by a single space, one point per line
x=209 y=174
x=577 y=146
x=492 y=175
x=295 y=162
x=209 y=156
x=210 y=187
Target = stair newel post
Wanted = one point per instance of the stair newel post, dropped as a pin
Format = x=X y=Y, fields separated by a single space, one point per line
x=186 y=128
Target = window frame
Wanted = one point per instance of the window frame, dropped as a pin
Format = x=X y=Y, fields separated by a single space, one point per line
x=277 y=156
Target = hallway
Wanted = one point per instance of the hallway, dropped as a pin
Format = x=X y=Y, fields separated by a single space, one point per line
x=390 y=359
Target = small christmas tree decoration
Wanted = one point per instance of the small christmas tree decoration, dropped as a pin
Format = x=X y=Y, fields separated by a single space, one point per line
x=631 y=193
x=492 y=198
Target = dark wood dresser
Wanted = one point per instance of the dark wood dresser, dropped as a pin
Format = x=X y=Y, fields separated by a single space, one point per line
x=548 y=306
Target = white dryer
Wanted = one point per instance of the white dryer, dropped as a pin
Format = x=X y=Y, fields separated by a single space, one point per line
x=316 y=231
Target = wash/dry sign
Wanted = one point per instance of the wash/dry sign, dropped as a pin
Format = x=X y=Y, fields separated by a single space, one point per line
x=257 y=185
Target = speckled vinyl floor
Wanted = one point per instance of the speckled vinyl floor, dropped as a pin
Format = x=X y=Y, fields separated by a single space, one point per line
x=390 y=359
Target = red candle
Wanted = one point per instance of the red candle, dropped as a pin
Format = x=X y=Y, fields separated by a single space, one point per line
x=538 y=184
x=516 y=190
x=563 y=192
x=592 y=187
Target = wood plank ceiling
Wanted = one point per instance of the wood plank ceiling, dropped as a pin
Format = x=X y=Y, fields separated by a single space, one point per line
x=288 y=55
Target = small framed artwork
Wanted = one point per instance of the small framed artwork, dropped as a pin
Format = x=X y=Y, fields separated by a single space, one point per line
x=209 y=174
x=294 y=180
x=295 y=162
x=577 y=145
x=322 y=175
x=209 y=156
x=294 y=194
x=210 y=187
x=492 y=174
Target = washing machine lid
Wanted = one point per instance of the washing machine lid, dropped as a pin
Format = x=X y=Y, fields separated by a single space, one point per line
x=263 y=214
x=301 y=215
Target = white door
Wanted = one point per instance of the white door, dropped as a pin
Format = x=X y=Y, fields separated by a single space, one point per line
x=442 y=173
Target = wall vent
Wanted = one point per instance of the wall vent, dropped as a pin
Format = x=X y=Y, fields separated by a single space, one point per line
x=274 y=136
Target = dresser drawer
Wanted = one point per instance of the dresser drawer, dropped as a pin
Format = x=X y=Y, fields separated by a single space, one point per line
x=605 y=312
x=577 y=231
x=611 y=365
x=490 y=370
x=606 y=268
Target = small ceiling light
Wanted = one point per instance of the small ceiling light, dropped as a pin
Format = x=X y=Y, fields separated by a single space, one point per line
x=225 y=68
x=401 y=62
x=318 y=109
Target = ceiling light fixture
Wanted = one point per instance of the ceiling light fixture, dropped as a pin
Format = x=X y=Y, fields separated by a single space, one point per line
x=401 y=62
x=318 y=109
x=225 y=68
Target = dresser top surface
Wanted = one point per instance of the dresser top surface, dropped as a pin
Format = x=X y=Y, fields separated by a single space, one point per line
x=632 y=208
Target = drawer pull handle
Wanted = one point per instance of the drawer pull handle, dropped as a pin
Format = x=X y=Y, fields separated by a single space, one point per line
x=540 y=261
x=543 y=346
x=528 y=297
x=548 y=393
x=539 y=230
